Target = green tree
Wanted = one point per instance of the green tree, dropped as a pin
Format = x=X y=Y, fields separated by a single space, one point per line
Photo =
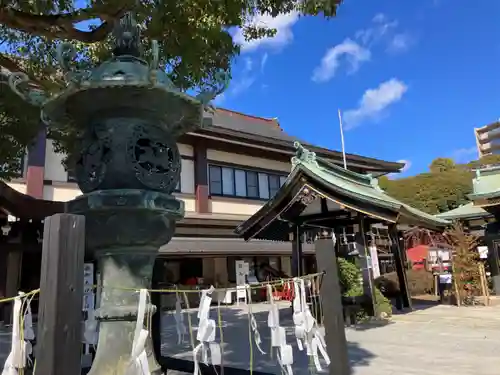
x=442 y=165
x=444 y=188
x=194 y=36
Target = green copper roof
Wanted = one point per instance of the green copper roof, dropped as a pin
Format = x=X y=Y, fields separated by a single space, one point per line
x=316 y=193
x=486 y=184
x=466 y=211
x=358 y=186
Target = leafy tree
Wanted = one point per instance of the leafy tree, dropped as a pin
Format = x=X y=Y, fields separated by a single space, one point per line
x=194 y=36
x=444 y=188
x=442 y=165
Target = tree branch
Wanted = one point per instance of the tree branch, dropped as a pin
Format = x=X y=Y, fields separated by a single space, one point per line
x=61 y=26
x=12 y=66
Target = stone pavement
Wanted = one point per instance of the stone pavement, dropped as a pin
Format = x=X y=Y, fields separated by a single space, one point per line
x=437 y=340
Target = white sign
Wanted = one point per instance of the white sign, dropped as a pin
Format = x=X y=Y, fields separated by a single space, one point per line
x=374 y=262
x=242 y=271
x=483 y=252
x=88 y=287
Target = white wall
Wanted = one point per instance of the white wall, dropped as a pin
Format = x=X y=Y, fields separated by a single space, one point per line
x=71 y=191
x=250 y=161
x=187 y=176
x=234 y=206
x=186 y=150
x=54 y=169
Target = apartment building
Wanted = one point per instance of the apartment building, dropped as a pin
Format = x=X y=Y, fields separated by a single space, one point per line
x=488 y=139
x=229 y=170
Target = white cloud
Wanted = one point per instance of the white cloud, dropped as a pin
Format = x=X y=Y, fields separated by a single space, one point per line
x=353 y=53
x=464 y=155
x=374 y=102
x=282 y=23
x=357 y=51
x=248 y=65
x=219 y=100
x=263 y=62
x=242 y=85
x=400 y=43
x=407 y=164
x=381 y=27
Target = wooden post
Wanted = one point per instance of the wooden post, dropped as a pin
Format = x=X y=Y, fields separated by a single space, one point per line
x=297 y=262
x=331 y=299
x=484 y=284
x=364 y=257
x=156 y=299
x=400 y=266
x=61 y=293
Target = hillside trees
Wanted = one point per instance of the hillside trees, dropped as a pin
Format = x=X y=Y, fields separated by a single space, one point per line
x=443 y=188
x=195 y=41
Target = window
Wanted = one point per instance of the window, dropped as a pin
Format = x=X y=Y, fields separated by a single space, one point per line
x=252 y=185
x=227 y=181
x=215 y=175
x=274 y=185
x=235 y=182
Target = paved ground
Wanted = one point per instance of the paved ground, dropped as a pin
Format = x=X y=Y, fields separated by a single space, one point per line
x=437 y=340
x=433 y=341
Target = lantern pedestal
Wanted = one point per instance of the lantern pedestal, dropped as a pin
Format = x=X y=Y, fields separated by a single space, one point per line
x=124 y=232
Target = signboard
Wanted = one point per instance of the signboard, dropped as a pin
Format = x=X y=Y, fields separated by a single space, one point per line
x=242 y=270
x=438 y=259
x=374 y=261
x=88 y=287
x=483 y=252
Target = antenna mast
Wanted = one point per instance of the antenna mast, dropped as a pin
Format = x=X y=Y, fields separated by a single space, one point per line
x=342 y=139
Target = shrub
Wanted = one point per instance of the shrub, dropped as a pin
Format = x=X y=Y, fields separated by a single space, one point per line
x=419 y=282
x=350 y=280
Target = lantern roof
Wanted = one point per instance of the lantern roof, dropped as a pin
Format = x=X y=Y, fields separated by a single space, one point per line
x=126 y=84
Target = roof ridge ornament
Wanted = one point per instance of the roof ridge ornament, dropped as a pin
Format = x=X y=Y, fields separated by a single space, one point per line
x=303 y=155
x=127 y=36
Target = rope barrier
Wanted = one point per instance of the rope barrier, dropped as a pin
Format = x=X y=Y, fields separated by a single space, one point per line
x=177 y=290
x=297 y=284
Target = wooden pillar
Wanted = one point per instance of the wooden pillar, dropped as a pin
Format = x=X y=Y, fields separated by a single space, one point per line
x=400 y=267
x=297 y=261
x=492 y=239
x=3 y=280
x=201 y=177
x=35 y=170
x=157 y=278
x=331 y=299
x=12 y=281
x=61 y=296
x=286 y=265
x=220 y=270
x=208 y=270
x=402 y=248
x=364 y=258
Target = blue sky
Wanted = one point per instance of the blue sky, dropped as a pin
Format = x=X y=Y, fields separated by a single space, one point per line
x=412 y=78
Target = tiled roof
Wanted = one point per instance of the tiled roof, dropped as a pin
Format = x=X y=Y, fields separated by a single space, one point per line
x=240 y=122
